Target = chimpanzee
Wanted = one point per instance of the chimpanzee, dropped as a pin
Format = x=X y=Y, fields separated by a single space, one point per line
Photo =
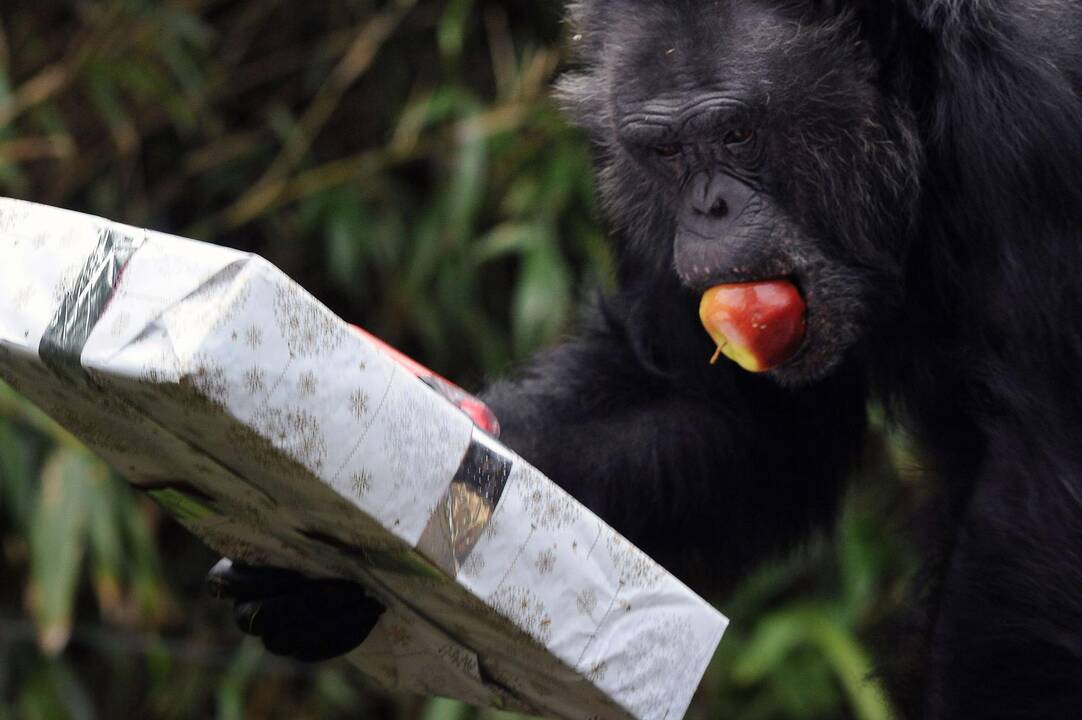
x=914 y=169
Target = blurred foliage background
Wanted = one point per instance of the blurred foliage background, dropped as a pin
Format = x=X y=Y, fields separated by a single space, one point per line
x=403 y=161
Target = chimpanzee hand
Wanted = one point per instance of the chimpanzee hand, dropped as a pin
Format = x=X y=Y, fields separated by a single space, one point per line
x=294 y=615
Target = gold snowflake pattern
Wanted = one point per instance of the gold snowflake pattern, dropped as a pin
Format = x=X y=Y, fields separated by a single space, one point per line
x=418 y=441
x=635 y=568
x=294 y=431
x=495 y=525
x=661 y=647
x=279 y=474
x=525 y=610
x=361 y=483
x=596 y=672
x=254 y=380
x=200 y=388
x=309 y=329
x=207 y=379
x=358 y=404
x=548 y=506
x=546 y=561
x=253 y=337
x=586 y=601
x=307 y=384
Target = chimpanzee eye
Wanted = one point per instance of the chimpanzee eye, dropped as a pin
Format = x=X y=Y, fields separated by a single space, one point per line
x=667 y=151
x=738 y=136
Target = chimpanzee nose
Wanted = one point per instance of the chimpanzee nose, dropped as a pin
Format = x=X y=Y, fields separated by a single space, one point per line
x=707 y=197
x=716 y=209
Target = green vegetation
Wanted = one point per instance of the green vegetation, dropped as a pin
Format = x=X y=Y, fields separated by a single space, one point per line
x=403 y=161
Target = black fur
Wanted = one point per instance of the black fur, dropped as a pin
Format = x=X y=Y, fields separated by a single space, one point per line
x=917 y=169
x=925 y=158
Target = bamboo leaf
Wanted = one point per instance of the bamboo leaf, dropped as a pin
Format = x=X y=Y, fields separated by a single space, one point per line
x=452 y=27
x=57 y=541
x=854 y=669
x=775 y=636
x=106 y=541
x=16 y=476
x=444 y=709
x=466 y=189
x=542 y=299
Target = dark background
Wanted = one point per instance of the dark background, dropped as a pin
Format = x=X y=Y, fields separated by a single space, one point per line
x=404 y=162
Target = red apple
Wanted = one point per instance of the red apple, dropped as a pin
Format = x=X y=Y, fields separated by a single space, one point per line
x=757 y=325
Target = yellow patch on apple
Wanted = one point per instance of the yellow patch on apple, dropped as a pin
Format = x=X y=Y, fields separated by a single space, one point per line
x=757 y=325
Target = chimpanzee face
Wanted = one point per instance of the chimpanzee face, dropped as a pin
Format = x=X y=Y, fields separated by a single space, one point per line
x=751 y=136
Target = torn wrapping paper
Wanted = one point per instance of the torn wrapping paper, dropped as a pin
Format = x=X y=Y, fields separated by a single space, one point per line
x=280 y=436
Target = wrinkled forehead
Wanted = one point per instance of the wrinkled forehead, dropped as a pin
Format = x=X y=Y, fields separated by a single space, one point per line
x=655 y=46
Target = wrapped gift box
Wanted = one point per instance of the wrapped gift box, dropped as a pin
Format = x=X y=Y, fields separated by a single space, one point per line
x=279 y=435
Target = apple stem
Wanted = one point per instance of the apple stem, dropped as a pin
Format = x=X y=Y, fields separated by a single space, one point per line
x=717 y=354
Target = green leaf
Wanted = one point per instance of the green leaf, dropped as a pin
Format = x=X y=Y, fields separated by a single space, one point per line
x=444 y=103
x=348 y=239
x=805 y=687
x=452 y=28
x=107 y=98
x=57 y=541
x=143 y=564
x=862 y=558
x=775 y=636
x=53 y=691
x=235 y=682
x=521 y=197
x=445 y=709
x=506 y=239
x=466 y=189
x=854 y=669
x=107 y=541
x=16 y=476
x=182 y=505
x=542 y=298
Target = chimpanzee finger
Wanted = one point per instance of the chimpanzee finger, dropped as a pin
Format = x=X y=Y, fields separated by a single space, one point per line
x=316 y=604
x=262 y=616
x=327 y=641
x=245 y=614
x=282 y=641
